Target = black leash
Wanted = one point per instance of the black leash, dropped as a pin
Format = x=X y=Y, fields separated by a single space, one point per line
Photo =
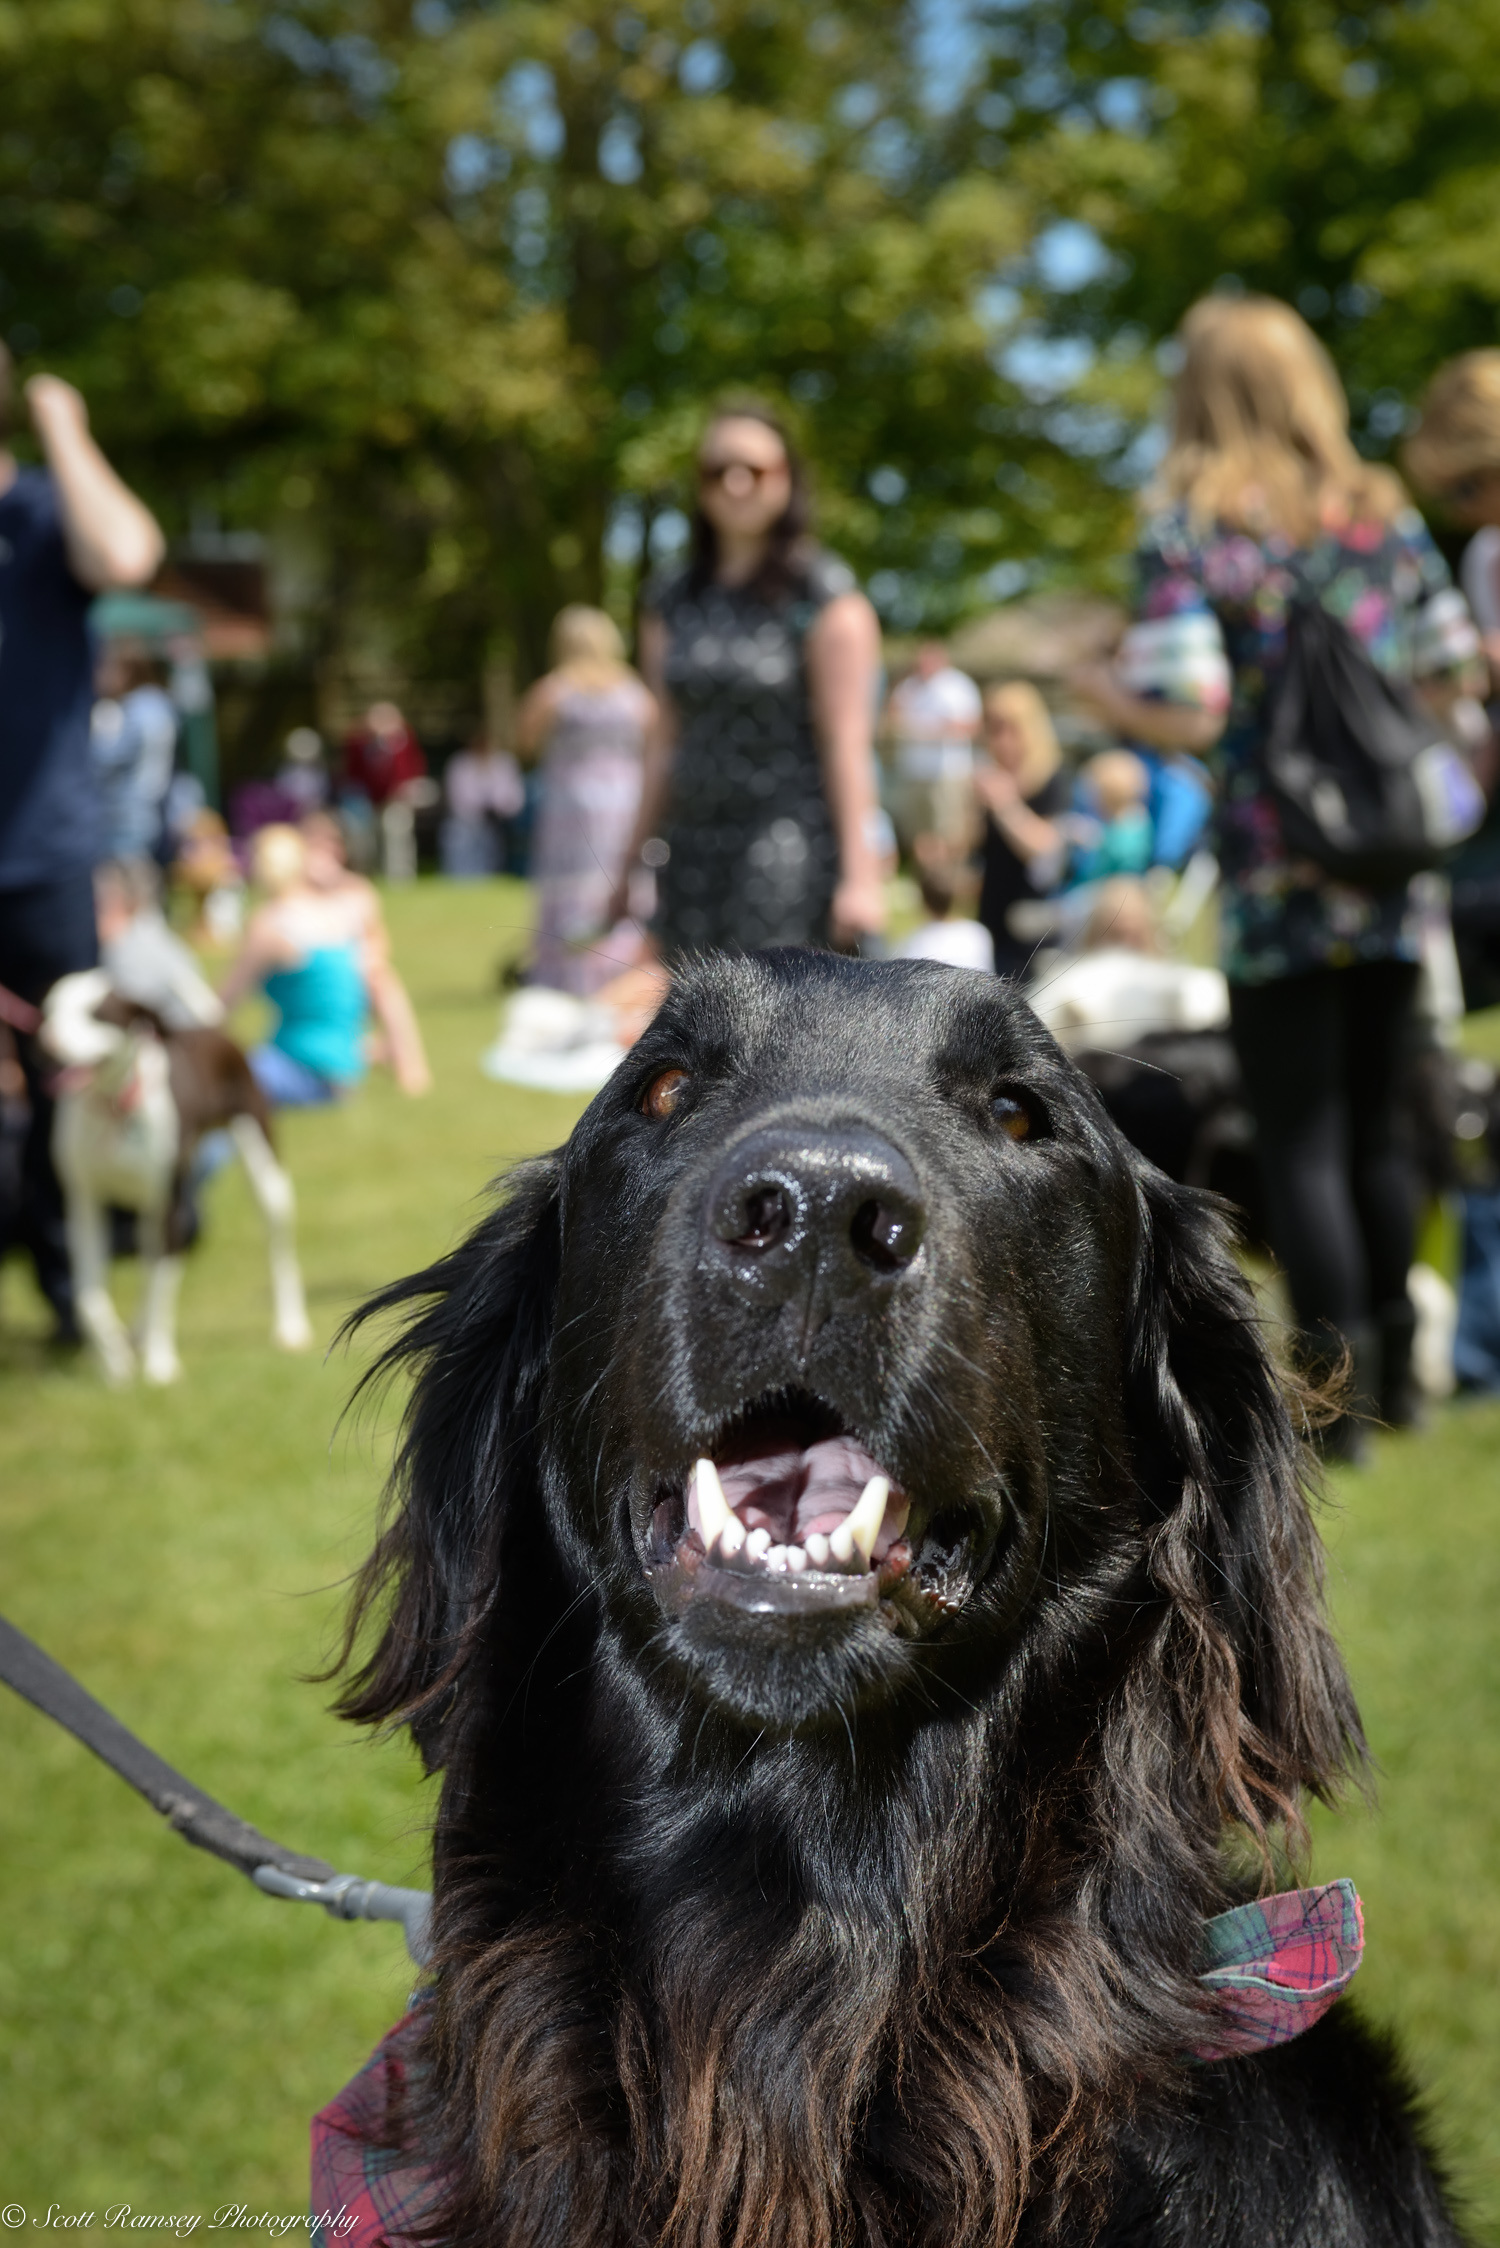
x=195 y=1816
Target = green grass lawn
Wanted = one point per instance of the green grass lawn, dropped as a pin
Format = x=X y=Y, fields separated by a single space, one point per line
x=166 y=2030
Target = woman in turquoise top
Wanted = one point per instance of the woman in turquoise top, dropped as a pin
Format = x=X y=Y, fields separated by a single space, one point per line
x=322 y=1008
x=300 y=949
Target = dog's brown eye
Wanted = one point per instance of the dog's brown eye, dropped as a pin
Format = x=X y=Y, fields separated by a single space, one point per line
x=1013 y=1118
x=663 y=1093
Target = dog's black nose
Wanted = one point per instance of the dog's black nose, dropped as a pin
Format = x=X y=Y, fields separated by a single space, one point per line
x=837 y=1206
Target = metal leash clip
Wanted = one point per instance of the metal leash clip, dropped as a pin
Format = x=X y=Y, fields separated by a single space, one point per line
x=275 y=1870
x=346 y=1897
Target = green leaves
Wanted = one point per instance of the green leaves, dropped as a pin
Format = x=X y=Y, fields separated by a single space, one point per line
x=214 y=341
x=1346 y=159
x=463 y=278
x=471 y=277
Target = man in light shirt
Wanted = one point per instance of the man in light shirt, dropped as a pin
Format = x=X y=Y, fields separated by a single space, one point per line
x=931 y=720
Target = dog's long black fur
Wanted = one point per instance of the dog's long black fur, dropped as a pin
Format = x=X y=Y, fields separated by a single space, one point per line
x=877 y=1927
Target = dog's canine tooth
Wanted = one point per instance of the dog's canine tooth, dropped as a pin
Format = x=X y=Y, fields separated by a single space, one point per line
x=861 y=1527
x=714 y=1514
x=758 y=1544
x=817 y=1549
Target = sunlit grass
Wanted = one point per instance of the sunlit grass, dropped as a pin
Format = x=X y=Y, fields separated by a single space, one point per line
x=166 y=2030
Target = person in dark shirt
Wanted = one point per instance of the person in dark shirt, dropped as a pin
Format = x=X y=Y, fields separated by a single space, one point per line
x=382 y=756
x=67 y=531
x=762 y=655
x=1023 y=790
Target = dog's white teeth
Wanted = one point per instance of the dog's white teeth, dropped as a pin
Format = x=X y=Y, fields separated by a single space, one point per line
x=713 y=1507
x=775 y=1559
x=758 y=1544
x=718 y=1523
x=861 y=1527
x=817 y=1549
x=796 y=1559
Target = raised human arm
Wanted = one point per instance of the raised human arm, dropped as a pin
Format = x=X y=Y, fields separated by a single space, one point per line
x=1028 y=834
x=1163 y=725
x=112 y=538
x=843 y=661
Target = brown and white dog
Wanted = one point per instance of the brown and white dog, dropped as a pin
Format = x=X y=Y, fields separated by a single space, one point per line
x=133 y=1102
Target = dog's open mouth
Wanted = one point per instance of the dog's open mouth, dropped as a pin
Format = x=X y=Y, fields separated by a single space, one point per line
x=789 y=1513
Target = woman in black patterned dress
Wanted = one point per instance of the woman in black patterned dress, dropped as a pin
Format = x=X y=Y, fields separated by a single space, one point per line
x=763 y=656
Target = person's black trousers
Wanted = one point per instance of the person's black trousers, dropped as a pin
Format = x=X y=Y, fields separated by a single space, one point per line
x=1323 y=1057
x=46 y=931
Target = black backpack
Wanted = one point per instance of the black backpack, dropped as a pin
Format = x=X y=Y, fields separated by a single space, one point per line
x=1366 y=784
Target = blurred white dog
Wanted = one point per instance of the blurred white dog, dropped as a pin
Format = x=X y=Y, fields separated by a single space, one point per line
x=133 y=1101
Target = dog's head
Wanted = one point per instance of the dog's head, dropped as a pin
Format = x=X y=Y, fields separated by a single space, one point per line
x=851 y=1259
x=87 y=1024
x=847 y=1360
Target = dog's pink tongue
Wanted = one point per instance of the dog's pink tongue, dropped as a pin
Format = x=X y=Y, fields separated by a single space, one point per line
x=837 y=1471
x=795 y=1493
x=763 y=1492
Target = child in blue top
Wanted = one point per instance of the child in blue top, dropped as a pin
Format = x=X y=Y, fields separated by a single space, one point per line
x=1114 y=832
x=301 y=949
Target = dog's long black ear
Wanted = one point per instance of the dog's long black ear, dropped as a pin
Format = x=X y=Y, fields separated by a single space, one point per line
x=477 y=1349
x=1260 y=1710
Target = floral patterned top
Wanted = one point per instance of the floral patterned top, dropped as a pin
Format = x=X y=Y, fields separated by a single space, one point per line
x=1281 y=916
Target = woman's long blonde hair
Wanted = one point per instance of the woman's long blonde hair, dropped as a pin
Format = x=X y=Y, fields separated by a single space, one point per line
x=586 y=644
x=1021 y=703
x=1260 y=427
x=1458 y=434
x=278 y=858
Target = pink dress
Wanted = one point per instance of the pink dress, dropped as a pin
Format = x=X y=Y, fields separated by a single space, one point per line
x=591 y=792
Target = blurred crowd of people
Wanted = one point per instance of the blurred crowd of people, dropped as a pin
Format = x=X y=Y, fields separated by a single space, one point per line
x=754 y=784
x=767 y=813
x=98 y=827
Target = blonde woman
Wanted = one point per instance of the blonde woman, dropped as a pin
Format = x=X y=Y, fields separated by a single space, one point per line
x=1261 y=500
x=1023 y=791
x=1454 y=453
x=588 y=717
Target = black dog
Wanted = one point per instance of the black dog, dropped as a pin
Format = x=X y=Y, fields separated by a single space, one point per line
x=843 y=1885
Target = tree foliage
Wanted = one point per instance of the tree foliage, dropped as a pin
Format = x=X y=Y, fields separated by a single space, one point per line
x=443 y=288
x=1343 y=157
x=453 y=285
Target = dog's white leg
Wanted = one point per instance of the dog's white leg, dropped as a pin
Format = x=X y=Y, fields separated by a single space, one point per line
x=88 y=1253
x=272 y=1189
x=158 y=1321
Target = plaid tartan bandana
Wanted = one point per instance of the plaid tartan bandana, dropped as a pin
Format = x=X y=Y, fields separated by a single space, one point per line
x=1278 y=1965
x=1275 y=1966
